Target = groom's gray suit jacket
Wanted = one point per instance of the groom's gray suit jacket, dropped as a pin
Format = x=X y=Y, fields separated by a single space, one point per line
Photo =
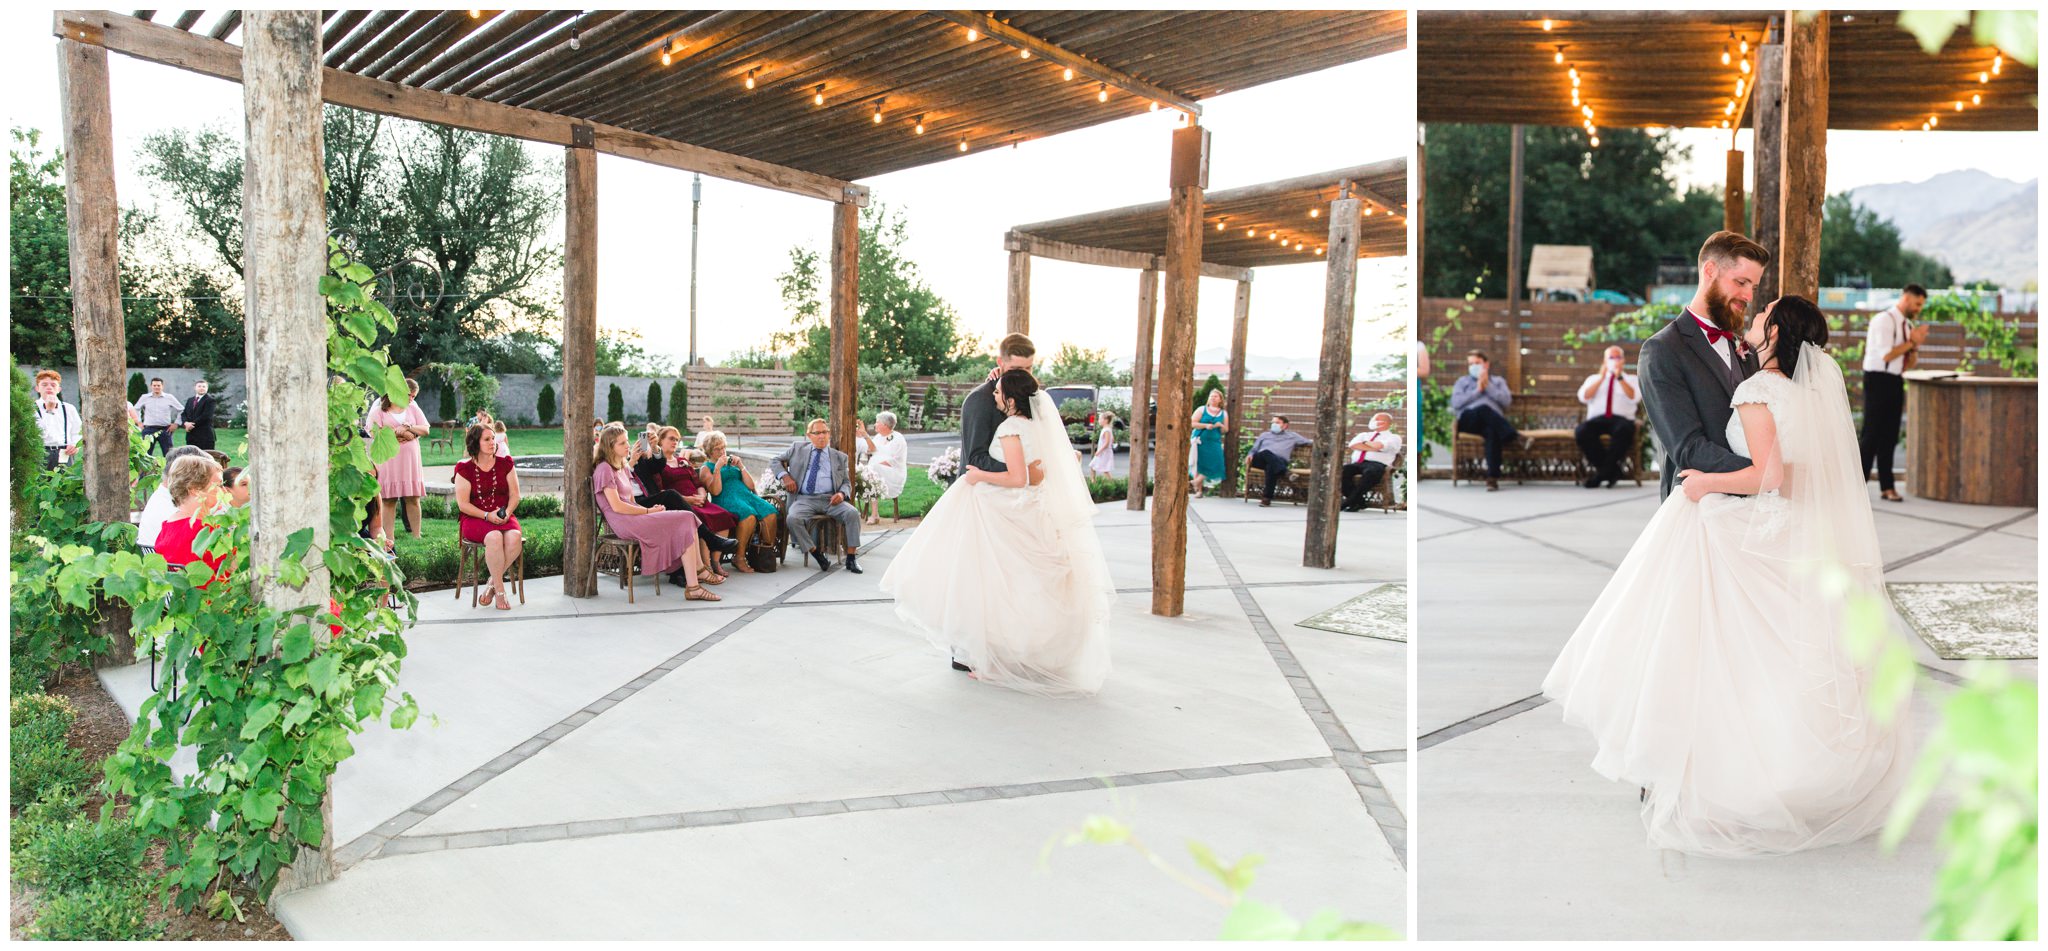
x=1686 y=389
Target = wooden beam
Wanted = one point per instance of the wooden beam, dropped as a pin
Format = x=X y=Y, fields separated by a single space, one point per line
x=1333 y=379
x=1081 y=65
x=1141 y=389
x=844 y=378
x=1768 y=113
x=1327 y=181
x=1053 y=250
x=1189 y=175
x=1240 y=326
x=579 y=368
x=284 y=227
x=1732 y=211
x=1019 y=313
x=1421 y=180
x=1803 y=182
x=92 y=218
x=1514 y=353
x=160 y=44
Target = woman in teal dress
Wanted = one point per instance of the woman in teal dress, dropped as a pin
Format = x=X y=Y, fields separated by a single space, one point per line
x=732 y=488
x=1208 y=424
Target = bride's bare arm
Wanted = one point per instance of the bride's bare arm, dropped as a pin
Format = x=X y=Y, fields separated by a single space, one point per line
x=1013 y=459
x=1760 y=428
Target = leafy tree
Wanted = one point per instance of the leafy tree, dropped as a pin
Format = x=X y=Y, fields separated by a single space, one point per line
x=621 y=353
x=1856 y=243
x=679 y=404
x=1074 y=364
x=1202 y=392
x=615 y=405
x=38 y=255
x=446 y=397
x=1620 y=199
x=452 y=222
x=754 y=358
x=545 y=406
x=902 y=320
x=136 y=387
x=653 y=402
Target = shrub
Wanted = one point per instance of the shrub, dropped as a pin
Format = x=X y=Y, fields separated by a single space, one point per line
x=38 y=759
x=105 y=911
x=679 y=404
x=80 y=852
x=615 y=405
x=24 y=439
x=653 y=402
x=538 y=506
x=1202 y=392
x=54 y=808
x=1112 y=489
x=136 y=387
x=449 y=409
x=546 y=404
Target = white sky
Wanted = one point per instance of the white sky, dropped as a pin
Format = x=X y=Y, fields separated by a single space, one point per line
x=1858 y=158
x=958 y=210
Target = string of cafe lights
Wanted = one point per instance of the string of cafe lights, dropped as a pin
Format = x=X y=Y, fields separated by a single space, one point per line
x=1293 y=241
x=1736 y=52
x=1976 y=97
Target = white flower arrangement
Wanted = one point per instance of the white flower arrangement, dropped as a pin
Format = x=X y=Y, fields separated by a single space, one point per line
x=945 y=467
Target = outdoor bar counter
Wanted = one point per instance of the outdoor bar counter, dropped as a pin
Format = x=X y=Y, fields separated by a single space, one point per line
x=1972 y=439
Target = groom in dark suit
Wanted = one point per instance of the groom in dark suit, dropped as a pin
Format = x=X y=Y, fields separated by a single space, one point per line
x=1691 y=368
x=979 y=416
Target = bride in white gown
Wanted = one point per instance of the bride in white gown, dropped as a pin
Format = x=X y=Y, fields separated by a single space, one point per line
x=1713 y=671
x=1009 y=578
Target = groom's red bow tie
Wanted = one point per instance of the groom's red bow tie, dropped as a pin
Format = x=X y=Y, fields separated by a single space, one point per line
x=1715 y=335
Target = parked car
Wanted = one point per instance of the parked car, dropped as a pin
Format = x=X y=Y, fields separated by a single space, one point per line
x=1062 y=394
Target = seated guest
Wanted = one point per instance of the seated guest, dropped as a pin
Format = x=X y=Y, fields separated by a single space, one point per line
x=193 y=483
x=815 y=476
x=160 y=506
x=1610 y=397
x=667 y=537
x=1480 y=402
x=235 y=480
x=732 y=489
x=486 y=495
x=671 y=482
x=1372 y=452
x=888 y=462
x=1270 y=454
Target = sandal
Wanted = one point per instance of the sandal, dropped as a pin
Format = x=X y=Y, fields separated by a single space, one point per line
x=484 y=600
x=710 y=577
x=697 y=593
x=743 y=568
x=504 y=603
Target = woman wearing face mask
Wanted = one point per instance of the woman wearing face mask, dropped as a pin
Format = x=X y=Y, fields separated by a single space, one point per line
x=1611 y=396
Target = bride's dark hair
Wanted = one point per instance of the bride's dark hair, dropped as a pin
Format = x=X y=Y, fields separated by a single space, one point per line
x=1797 y=321
x=1019 y=386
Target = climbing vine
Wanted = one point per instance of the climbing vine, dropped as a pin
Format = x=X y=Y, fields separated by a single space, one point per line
x=2000 y=338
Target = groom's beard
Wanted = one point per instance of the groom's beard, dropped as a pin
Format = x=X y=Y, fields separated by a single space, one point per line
x=1723 y=310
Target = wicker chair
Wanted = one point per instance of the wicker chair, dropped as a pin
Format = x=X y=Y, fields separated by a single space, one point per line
x=1383 y=491
x=1294 y=488
x=1548 y=421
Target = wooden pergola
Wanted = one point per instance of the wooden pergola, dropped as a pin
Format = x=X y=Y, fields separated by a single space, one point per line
x=1332 y=218
x=1790 y=76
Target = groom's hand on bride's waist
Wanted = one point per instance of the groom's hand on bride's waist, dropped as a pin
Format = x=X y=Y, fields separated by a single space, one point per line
x=1037 y=470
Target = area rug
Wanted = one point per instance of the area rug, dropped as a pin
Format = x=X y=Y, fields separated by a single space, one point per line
x=1381 y=612
x=1973 y=620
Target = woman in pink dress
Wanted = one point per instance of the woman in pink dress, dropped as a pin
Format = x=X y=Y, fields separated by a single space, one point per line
x=486 y=494
x=668 y=538
x=404 y=477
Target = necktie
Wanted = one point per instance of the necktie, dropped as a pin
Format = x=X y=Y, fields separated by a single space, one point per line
x=1610 y=395
x=811 y=473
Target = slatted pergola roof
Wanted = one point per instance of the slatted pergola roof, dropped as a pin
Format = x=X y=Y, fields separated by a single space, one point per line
x=1245 y=227
x=1664 y=68
x=1009 y=84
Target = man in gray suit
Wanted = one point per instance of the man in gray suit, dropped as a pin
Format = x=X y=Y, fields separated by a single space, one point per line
x=815 y=475
x=979 y=414
x=1691 y=368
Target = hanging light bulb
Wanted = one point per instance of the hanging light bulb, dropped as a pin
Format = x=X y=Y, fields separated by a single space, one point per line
x=1745 y=67
x=1745 y=46
x=920 y=124
x=1272 y=235
x=1368 y=211
x=1725 y=58
x=1546 y=26
x=1251 y=232
x=1068 y=75
x=474 y=14
x=1575 y=82
x=1738 y=87
x=1728 y=109
x=1315 y=212
x=1322 y=249
x=973 y=34
x=963 y=145
x=1996 y=63
x=575 y=38
x=1933 y=121
x=818 y=95
x=1559 y=58
x=1153 y=107
x=1976 y=99
x=878 y=111
x=1219 y=224
x=1724 y=123
x=1596 y=141
x=1283 y=242
x=1586 y=111
x=1575 y=97
x=1983 y=77
x=1101 y=92
x=1959 y=105
x=750 y=76
x=667 y=51
x=1023 y=54
x=1574 y=71
x=1925 y=127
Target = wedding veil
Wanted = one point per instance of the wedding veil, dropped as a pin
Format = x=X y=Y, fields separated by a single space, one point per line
x=1816 y=512
x=1068 y=506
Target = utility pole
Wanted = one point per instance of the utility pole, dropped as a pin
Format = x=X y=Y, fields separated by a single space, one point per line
x=696 y=199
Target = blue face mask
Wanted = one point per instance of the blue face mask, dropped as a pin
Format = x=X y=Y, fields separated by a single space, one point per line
x=1274 y=428
x=1476 y=369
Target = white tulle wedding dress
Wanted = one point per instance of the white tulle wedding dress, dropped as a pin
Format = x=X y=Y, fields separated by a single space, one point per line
x=1012 y=581
x=1713 y=670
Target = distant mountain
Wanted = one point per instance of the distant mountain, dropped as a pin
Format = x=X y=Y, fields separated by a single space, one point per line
x=1982 y=226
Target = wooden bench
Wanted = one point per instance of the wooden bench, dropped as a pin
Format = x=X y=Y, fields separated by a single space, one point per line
x=1294 y=488
x=1548 y=422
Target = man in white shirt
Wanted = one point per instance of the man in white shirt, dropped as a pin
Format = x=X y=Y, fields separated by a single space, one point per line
x=160 y=412
x=1890 y=348
x=1368 y=456
x=58 y=421
x=1610 y=396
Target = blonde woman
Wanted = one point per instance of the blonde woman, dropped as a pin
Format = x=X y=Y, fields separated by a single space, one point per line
x=404 y=476
x=732 y=489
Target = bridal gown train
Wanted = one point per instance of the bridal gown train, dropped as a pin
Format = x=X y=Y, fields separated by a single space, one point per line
x=1012 y=582
x=1713 y=672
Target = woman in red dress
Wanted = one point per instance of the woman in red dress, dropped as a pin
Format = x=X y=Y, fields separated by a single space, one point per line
x=487 y=493
x=194 y=486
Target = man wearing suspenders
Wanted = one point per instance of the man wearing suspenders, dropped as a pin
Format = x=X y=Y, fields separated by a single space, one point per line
x=1890 y=349
x=57 y=419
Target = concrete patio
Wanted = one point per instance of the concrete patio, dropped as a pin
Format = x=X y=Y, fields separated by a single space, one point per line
x=791 y=763
x=1519 y=838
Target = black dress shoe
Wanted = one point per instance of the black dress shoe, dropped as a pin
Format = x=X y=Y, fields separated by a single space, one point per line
x=963 y=668
x=852 y=565
x=1593 y=481
x=819 y=557
x=723 y=545
x=681 y=578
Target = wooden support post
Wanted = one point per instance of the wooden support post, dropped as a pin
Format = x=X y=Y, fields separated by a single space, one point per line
x=1183 y=269
x=579 y=369
x=284 y=228
x=1020 y=293
x=1733 y=217
x=1420 y=178
x=97 y=325
x=1514 y=328
x=1803 y=182
x=1142 y=394
x=844 y=380
x=1240 y=324
x=1333 y=385
x=1767 y=106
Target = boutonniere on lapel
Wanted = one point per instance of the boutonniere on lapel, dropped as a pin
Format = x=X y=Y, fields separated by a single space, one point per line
x=1742 y=347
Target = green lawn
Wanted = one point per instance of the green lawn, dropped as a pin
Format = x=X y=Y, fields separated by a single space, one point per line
x=525 y=442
